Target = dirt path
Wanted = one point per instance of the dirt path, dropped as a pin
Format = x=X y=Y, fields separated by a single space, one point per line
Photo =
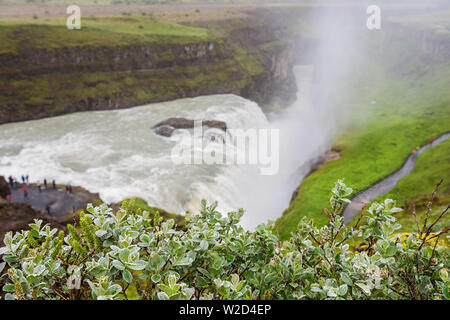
x=387 y=184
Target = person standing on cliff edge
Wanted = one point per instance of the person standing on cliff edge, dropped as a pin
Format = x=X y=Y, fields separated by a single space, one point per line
x=11 y=181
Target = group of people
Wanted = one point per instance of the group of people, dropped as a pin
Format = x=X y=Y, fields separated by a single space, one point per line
x=45 y=185
x=25 y=182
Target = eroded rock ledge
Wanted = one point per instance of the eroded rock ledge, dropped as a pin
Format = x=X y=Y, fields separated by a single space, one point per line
x=167 y=127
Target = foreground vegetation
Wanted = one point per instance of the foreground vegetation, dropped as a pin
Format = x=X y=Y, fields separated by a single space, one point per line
x=131 y=256
x=141 y=204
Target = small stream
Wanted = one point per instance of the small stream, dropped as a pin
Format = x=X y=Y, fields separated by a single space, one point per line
x=387 y=184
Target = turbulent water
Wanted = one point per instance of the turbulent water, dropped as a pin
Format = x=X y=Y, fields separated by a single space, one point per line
x=117 y=154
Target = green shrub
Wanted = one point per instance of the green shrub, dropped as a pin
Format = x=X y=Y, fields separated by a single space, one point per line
x=128 y=255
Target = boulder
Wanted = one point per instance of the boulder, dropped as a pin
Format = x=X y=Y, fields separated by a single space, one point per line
x=167 y=127
x=165 y=131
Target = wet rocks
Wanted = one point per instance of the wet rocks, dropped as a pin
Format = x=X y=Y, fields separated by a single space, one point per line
x=167 y=127
x=165 y=131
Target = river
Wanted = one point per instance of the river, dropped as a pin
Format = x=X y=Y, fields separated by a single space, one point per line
x=116 y=154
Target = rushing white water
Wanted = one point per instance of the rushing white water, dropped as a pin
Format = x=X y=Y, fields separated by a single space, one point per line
x=116 y=154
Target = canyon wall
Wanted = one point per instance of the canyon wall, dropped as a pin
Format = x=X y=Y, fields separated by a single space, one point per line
x=249 y=59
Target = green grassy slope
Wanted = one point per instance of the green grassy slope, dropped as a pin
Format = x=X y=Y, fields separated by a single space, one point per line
x=417 y=187
x=98 y=31
x=432 y=166
x=52 y=33
x=412 y=105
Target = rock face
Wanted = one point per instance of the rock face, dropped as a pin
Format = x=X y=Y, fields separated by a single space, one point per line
x=248 y=58
x=17 y=216
x=167 y=127
x=116 y=58
x=4 y=187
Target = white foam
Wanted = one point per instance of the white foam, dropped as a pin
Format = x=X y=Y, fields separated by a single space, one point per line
x=116 y=154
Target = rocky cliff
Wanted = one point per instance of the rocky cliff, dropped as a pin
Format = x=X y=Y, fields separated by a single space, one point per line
x=244 y=56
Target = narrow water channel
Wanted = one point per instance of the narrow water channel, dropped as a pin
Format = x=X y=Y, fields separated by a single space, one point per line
x=387 y=184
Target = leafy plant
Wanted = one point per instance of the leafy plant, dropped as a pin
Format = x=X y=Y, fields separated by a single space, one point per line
x=134 y=255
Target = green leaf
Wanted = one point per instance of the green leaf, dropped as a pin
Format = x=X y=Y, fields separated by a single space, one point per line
x=8 y=288
x=40 y=269
x=97 y=271
x=203 y=245
x=90 y=208
x=11 y=259
x=443 y=274
x=447 y=293
x=201 y=282
x=9 y=296
x=316 y=289
x=156 y=278
x=163 y=296
x=346 y=279
x=391 y=250
x=100 y=233
x=204 y=272
x=331 y=294
x=188 y=293
x=118 y=265
x=165 y=288
x=343 y=290
x=124 y=254
x=127 y=276
x=140 y=265
x=186 y=261
x=172 y=280
x=269 y=278
x=113 y=290
x=364 y=288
